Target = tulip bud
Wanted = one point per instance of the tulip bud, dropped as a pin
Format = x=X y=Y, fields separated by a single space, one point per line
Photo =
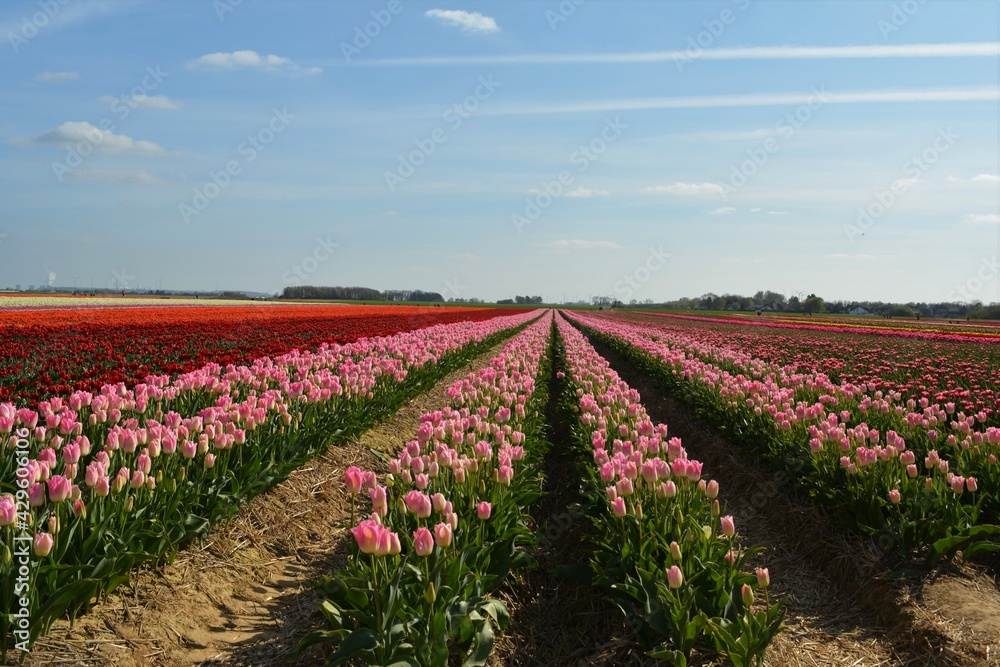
x=43 y=544
x=430 y=594
x=675 y=577
x=675 y=551
x=747 y=595
x=763 y=577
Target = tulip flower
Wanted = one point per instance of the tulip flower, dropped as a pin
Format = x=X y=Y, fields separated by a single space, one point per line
x=728 y=526
x=747 y=595
x=618 y=507
x=423 y=542
x=43 y=543
x=895 y=496
x=443 y=535
x=763 y=577
x=484 y=510
x=675 y=578
x=59 y=488
x=8 y=511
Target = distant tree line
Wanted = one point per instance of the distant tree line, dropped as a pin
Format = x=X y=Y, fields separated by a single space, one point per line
x=773 y=301
x=520 y=300
x=357 y=294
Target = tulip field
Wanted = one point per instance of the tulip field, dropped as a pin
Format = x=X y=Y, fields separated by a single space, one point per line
x=129 y=433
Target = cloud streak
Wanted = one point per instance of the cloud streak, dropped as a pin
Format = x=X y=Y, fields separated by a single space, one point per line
x=965 y=94
x=945 y=50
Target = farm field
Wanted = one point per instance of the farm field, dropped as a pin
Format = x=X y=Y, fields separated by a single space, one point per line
x=60 y=349
x=445 y=543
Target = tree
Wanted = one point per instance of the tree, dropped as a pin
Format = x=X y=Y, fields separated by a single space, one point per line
x=813 y=304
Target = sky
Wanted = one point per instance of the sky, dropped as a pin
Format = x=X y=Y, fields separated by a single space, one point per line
x=637 y=150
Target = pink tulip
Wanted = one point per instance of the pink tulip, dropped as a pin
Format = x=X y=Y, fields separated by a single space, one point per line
x=418 y=503
x=712 y=490
x=618 y=507
x=728 y=526
x=443 y=535
x=971 y=485
x=43 y=544
x=366 y=535
x=423 y=542
x=747 y=594
x=209 y=461
x=438 y=501
x=8 y=511
x=36 y=495
x=675 y=578
x=763 y=577
x=484 y=510
x=895 y=496
x=59 y=488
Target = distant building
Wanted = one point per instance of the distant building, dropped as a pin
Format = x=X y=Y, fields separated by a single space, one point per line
x=859 y=311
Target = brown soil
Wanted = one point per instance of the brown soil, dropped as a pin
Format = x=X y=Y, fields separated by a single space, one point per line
x=244 y=597
x=844 y=606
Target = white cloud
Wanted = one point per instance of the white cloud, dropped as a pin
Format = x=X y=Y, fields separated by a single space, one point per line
x=467 y=21
x=983 y=218
x=725 y=210
x=566 y=245
x=777 y=212
x=141 y=177
x=756 y=209
x=144 y=102
x=586 y=193
x=56 y=77
x=249 y=59
x=989 y=179
x=688 y=189
x=71 y=133
x=390 y=214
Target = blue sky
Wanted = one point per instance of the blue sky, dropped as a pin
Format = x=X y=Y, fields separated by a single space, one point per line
x=645 y=150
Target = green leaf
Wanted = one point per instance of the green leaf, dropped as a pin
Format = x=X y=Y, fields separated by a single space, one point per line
x=484 y=646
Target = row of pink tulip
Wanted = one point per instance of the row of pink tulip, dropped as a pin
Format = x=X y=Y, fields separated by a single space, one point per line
x=446 y=521
x=914 y=463
x=663 y=549
x=144 y=468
